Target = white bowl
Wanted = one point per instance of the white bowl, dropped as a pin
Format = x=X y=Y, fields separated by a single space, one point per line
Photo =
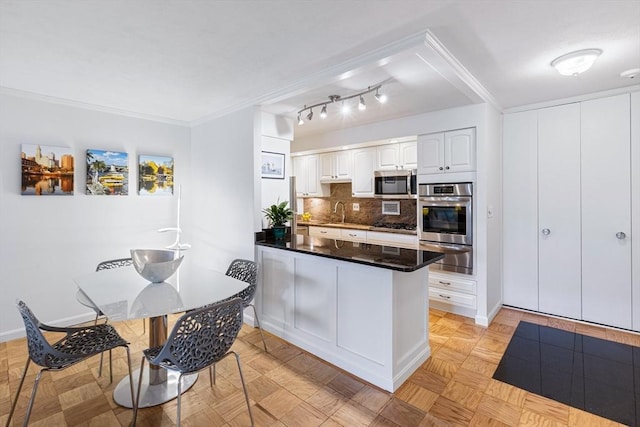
x=155 y=265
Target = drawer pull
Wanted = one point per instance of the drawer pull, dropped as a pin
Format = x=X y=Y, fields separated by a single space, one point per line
x=444 y=283
x=323 y=232
x=444 y=296
x=353 y=235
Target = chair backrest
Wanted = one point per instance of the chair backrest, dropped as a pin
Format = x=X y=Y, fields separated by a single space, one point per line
x=40 y=351
x=247 y=271
x=202 y=336
x=114 y=263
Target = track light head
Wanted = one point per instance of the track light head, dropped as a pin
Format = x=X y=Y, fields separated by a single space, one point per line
x=381 y=97
x=310 y=115
x=300 y=121
x=345 y=108
x=361 y=105
x=323 y=112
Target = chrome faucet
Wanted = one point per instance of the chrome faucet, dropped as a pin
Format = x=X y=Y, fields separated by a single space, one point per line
x=335 y=209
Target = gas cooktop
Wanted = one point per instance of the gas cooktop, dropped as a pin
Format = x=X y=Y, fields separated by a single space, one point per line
x=394 y=225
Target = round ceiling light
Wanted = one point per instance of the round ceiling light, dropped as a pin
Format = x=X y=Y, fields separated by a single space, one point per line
x=630 y=74
x=576 y=62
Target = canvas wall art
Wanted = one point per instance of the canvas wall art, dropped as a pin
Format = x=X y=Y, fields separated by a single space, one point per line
x=47 y=170
x=155 y=175
x=107 y=173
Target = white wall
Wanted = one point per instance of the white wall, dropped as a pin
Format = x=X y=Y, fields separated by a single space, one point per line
x=47 y=240
x=225 y=190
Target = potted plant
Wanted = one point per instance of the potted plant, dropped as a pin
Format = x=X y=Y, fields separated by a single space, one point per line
x=278 y=215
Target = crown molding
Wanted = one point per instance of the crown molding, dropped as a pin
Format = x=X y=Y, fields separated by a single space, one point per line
x=87 y=106
x=579 y=98
x=460 y=70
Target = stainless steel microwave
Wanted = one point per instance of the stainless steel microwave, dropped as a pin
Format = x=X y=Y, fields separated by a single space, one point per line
x=395 y=184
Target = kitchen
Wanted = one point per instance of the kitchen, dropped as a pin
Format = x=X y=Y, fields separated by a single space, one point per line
x=472 y=37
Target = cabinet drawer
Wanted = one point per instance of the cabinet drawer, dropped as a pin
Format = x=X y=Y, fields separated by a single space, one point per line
x=452 y=284
x=328 y=232
x=464 y=300
x=392 y=239
x=353 y=235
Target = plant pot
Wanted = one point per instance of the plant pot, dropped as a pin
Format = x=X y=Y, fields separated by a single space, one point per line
x=279 y=232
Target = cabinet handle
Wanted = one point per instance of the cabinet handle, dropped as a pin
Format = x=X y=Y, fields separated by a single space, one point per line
x=444 y=296
x=444 y=283
x=323 y=232
x=620 y=235
x=352 y=235
x=440 y=168
x=546 y=231
x=447 y=168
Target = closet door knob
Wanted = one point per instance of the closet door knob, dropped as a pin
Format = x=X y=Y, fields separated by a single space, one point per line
x=620 y=235
x=546 y=231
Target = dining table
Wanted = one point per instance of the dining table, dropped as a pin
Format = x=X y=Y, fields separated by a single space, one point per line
x=123 y=294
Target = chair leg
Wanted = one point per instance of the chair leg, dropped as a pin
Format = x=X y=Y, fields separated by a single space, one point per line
x=212 y=375
x=137 y=401
x=33 y=396
x=133 y=423
x=110 y=368
x=255 y=313
x=244 y=387
x=13 y=405
x=179 y=398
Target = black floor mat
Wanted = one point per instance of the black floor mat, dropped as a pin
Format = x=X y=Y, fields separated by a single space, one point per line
x=592 y=374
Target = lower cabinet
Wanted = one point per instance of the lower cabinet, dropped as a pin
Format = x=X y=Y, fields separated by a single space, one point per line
x=363 y=236
x=452 y=293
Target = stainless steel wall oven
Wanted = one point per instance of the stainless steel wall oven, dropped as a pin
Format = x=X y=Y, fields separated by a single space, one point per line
x=445 y=223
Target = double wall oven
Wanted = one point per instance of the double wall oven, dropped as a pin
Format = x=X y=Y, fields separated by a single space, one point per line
x=445 y=224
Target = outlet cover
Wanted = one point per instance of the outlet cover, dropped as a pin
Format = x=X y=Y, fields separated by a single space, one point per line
x=356 y=207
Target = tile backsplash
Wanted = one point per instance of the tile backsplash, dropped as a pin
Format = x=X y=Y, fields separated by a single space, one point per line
x=321 y=208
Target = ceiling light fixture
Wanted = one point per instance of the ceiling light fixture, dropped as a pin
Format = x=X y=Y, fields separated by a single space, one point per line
x=345 y=105
x=576 y=62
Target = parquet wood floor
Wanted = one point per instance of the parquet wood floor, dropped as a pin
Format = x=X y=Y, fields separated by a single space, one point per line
x=289 y=387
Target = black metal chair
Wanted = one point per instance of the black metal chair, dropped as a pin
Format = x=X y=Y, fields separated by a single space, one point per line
x=84 y=300
x=247 y=271
x=199 y=339
x=78 y=344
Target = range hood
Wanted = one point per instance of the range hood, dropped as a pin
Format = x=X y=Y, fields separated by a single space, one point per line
x=329 y=180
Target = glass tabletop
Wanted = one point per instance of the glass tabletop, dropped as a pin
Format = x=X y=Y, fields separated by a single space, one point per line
x=122 y=294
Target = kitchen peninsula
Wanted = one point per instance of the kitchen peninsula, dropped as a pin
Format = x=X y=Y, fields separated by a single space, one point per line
x=361 y=307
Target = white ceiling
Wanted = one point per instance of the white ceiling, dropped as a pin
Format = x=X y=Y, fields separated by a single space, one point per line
x=193 y=59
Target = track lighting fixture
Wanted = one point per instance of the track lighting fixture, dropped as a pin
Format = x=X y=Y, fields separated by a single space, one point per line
x=346 y=107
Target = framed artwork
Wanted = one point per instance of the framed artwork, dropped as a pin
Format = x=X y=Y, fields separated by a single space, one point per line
x=155 y=175
x=272 y=165
x=47 y=170
x=107 y=173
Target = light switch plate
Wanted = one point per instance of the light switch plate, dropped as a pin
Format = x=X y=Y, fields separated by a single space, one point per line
x=356 y=207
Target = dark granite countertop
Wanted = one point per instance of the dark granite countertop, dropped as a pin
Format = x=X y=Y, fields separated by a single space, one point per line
x=388 y=257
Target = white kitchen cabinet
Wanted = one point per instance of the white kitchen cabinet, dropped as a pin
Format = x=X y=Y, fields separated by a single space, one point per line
x=392 y=239
x=451 y=292
x=335 y=166
x=307 y=172
x=362 y=172
x=606 y=211
x=559 y=210
x=326 y=232
x=396 y=156
x=446 y=152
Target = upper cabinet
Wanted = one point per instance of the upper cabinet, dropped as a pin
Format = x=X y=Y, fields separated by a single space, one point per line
x=446 y=152
x=364 y=160
x=307 y=172
x=397 y=156
x=336 y=166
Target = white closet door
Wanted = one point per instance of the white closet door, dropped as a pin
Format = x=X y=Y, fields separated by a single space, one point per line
x=559 y=210
x=635 y=208
x=520 y=210
x=606 y=211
